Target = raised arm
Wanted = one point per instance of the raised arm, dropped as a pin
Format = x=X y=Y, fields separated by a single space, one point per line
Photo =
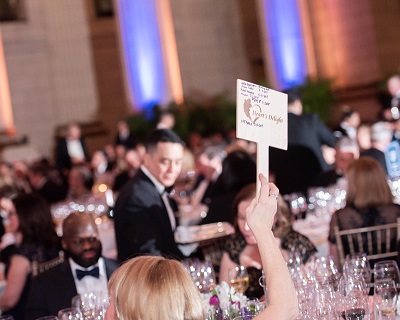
x=281 y=292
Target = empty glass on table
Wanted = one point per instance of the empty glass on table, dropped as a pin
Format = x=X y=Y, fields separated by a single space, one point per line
x=70 y=314
x=385 y=299
x=387 y=269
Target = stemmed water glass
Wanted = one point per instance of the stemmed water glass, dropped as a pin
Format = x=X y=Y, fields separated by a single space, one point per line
x=387 y=269
x=92 y=305
x=325 y=301
x=323 y=270
x=73 y=313
x=385 y=299
x=358 y=265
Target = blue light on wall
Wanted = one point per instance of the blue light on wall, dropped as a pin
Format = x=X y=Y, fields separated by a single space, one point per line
x=143 y=52
x=282 y=20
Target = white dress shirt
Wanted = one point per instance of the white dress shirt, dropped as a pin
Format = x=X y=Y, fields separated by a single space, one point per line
x=75 y=149
x=160 y=188
x=88 y=283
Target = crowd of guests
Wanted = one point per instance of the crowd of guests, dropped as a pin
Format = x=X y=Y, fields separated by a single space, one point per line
x=149 y=178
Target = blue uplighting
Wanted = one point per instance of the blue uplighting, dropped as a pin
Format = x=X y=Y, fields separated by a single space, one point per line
x=143 y=53
x=285 y=41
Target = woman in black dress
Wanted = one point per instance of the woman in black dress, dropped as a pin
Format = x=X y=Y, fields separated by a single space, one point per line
x=31 y=224
x=241 y=248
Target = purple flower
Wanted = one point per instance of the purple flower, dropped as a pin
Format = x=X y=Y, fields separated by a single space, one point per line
x=214 y=301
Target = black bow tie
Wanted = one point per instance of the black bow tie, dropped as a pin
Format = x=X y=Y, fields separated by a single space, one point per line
x=82 y=273
x=168 y=190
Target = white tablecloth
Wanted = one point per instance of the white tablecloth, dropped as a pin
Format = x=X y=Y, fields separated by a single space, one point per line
x=317 y=230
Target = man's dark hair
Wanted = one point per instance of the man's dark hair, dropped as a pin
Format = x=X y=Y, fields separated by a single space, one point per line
x=162 y=135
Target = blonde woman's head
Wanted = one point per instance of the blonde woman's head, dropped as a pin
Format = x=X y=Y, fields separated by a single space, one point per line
x=153 y=288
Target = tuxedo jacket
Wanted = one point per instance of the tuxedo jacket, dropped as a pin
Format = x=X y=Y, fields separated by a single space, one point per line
x=142 y=224
x=54 y=289
x=309 y=131
x=63 y=160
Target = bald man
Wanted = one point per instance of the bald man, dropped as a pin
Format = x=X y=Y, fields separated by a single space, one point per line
x=84 y=270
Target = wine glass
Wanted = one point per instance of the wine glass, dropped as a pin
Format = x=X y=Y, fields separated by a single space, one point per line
x=88 y=303
x=358 y=265
x=324 y=270
x=73 y=313
x=253 y=307
x=305 y=297
x=385 y=299
x=325 y=301
x=355 y=298
x=239 y=279
x=387 y=269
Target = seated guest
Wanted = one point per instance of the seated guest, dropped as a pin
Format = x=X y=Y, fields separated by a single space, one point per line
x=346 y=152
x=241 y=248
x=238 y=170
x=369 y=201
x=101 y=169
x=208 y=168
x=381 y=136
x=31 y=224
x=84 y=271
x=42 y=184
x=133 y=162
x=364 y=137
x=167 y=287
x=348 y=124
x=79 y=184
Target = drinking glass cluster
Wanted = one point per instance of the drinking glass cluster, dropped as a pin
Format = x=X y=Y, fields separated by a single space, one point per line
x=325 y=293
x=202 y=274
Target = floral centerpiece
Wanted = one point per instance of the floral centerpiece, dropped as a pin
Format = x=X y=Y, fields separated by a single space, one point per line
x=223 y=302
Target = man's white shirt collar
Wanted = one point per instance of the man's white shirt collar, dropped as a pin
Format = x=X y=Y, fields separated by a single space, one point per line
x=88 y=283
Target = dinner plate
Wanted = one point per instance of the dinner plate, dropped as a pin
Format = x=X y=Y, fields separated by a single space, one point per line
x=193 y=234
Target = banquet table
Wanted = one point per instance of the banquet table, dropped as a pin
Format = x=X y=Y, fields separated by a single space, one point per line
x=317 y=230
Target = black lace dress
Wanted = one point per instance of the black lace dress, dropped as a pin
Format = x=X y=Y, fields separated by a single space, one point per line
x=291 y=241
x=33 y=252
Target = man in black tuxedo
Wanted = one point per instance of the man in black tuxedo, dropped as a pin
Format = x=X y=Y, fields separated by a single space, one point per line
x=307 y=130
x=84 y=271
x=71 y=150
x=143 y=214
x=124 y=136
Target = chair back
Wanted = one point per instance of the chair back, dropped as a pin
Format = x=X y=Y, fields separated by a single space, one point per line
x=38 y=268
x=376 y=241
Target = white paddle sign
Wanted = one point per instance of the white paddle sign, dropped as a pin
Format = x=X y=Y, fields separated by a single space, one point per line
x=261 y=117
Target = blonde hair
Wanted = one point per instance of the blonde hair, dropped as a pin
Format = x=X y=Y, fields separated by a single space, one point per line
x=367 y=184
x=154 y=288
